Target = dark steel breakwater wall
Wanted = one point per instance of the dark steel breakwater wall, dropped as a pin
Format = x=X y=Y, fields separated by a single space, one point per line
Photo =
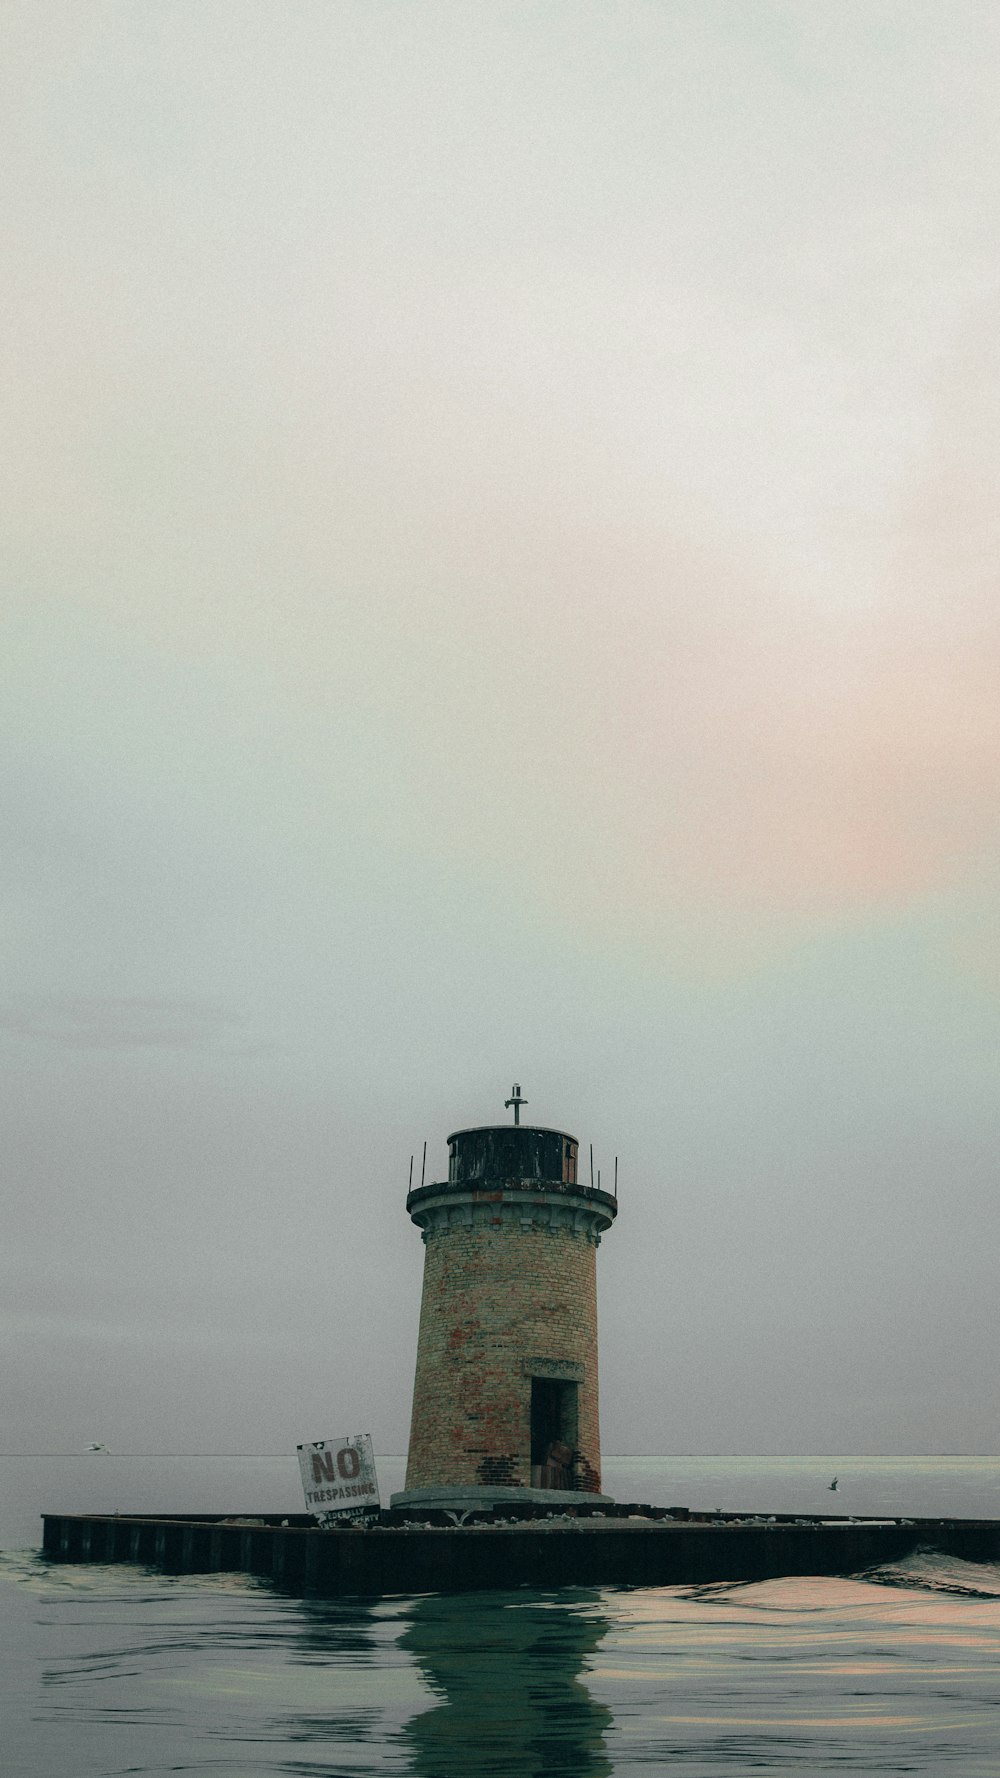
x=418 y=1559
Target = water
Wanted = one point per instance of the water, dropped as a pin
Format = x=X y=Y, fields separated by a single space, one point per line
x=115 y=1670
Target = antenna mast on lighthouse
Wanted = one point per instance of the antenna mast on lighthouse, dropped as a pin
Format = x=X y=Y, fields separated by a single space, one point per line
x=516 y=1101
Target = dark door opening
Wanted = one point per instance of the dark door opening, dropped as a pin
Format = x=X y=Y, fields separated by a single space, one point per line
x=553 y=1432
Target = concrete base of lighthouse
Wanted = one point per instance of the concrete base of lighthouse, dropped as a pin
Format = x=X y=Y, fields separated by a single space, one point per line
x=485 y=1499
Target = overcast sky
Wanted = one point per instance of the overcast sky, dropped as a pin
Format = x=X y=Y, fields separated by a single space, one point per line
x=501 y=521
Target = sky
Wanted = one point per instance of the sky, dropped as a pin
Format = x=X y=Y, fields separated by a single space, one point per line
x=500 y=525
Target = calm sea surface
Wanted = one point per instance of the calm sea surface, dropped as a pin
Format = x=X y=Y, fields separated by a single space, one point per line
x=115 y=1670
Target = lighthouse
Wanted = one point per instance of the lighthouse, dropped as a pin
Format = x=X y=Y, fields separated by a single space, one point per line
x=505 y=1406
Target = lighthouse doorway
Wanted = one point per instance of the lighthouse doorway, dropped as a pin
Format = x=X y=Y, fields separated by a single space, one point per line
x=554 y=1418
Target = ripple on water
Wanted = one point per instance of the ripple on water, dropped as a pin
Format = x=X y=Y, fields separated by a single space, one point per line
x=115 y=1670
x=810 y=1675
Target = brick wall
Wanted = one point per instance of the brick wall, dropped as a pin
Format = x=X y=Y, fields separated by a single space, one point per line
x=499 y=1294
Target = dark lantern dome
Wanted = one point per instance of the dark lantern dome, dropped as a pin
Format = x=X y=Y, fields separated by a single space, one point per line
x=496 y=1153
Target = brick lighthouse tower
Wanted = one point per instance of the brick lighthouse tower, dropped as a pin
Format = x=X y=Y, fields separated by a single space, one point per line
x=505 y=1394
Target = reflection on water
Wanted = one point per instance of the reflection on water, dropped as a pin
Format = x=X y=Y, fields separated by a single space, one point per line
x=349 y=1687
x=506 y=1671
x=897 y=1671
x=107 y=1671
x=113 y=1670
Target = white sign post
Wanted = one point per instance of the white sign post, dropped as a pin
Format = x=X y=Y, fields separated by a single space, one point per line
x=338 y=1478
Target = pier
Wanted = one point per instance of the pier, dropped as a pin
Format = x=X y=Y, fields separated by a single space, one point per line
x=630 y=1547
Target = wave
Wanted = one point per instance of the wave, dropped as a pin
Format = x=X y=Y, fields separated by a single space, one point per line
x=933 y=1570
